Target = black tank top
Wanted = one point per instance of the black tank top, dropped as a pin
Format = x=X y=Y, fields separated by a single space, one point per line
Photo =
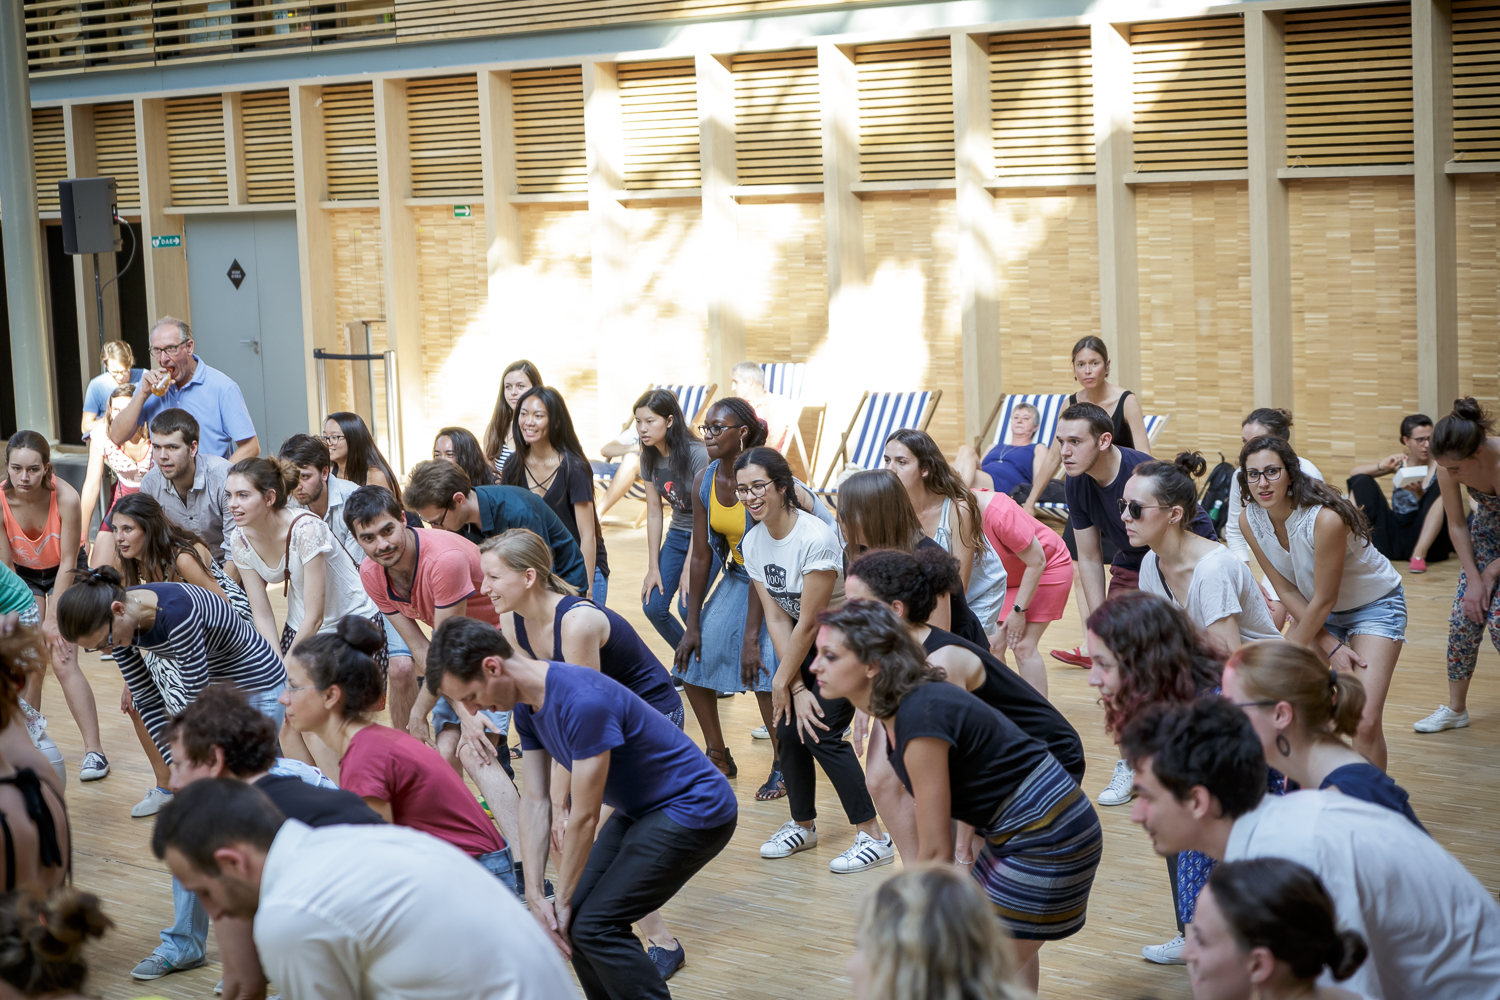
x=1122 y=435
x=1007 y=692
x=624 y=657
x=48 y=847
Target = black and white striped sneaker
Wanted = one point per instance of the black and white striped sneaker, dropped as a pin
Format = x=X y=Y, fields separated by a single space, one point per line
x=866 y=852
x=791 y=838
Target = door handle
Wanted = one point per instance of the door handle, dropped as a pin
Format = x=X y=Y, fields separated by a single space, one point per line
x=254 y=344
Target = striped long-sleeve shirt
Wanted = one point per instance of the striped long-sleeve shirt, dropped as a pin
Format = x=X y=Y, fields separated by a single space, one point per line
x=197 y=639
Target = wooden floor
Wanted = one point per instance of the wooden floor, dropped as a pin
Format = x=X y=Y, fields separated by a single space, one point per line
x=770 y=929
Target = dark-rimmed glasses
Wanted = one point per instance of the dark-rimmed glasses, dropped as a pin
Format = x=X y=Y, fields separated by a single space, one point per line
x=714 y=430
x=1270 y=472
x=753 y=490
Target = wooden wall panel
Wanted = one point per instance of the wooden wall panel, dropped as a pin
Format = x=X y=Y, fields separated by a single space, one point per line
x=778 y=117
x=662 y=288
x=1478 y=209
x=451 y=297
x=1042 y=100
x=912 y=335
x=358 y=284
x=1190 y=95
x=425 y=19
x=1354 y=328
x=784 y=292
x=1193 y=244
x=1476 y=84
x=114 y=144
x=1047 y=284
x=50 y=152
x=269 y=176
x=905 y=110
x=551 y=155
x=659 y=112
x=196 y=164
x=443 y=125
x=349 y=141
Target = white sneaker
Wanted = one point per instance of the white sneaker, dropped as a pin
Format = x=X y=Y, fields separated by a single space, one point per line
x=760 y=733
x=1121 y=787
x=866 y=852
x=791 y=838
x=151 y=804
x=1165 y=954
x=1443 y=718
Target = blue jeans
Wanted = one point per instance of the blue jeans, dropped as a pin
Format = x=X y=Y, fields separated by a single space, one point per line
x=187 y=939
x=658 y=605
x=600 y=590
x=498 y=863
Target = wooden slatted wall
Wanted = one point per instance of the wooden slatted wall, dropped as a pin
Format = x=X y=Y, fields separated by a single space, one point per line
x=196 y=168
x=1477 y=198
x=1190 y=95
x=659 y=112
x=1042 y=102
x=114 y=145
x=662 y=298
x=1348 y=86
x=456 y=18
x=269 y=176
x=905 y=110
x=783 y=255
x=442 y=116
x=459 y=387
x=57 y=40
x=349 y=141
x=50 y=148
x=1476 y=79
x=778 y=126
x=551 y=153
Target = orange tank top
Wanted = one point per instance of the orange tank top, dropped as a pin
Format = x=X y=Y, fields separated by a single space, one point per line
x=42 y=552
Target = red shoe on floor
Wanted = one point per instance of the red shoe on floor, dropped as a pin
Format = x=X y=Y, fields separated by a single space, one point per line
x=1418 y=565
x=1074 y=657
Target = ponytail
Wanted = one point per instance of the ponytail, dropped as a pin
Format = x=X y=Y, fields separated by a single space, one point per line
x=1327 y=703
x=268 y=475
x=1461 y=433
x=87 y=606
x=42 y=939
x=522 y=549
x=1172 y=482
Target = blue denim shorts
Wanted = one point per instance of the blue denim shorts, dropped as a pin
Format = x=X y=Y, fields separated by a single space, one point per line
x=443 y=716
x=1384 y=616
x=394 y=644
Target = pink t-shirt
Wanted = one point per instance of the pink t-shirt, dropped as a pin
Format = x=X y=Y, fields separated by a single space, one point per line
x=447 y=573
x=424 y=792
x=1010 y=529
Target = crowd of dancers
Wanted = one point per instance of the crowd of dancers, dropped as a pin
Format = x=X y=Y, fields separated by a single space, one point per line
x=891 y=631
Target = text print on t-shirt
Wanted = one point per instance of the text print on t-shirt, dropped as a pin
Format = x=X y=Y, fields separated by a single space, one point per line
x=776 y=587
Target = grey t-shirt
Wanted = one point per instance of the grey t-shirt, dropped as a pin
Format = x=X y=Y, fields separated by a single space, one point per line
x=678 y=490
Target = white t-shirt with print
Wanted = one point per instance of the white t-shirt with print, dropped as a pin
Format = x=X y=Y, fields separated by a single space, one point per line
x=782 y=564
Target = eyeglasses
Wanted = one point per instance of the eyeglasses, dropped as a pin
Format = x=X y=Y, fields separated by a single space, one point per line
x=441 y=523
x=753 y=490
x=1135 y=507
x=714 y=430
x=293 y=688
x=163 y=352
x=330 y=438
x=1270 y=472
x=1255 y=704
x=109 y=642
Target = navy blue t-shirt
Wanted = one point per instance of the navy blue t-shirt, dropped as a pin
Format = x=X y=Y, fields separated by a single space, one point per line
x=653 y=764
x=1369 y=783
x=1093 y=506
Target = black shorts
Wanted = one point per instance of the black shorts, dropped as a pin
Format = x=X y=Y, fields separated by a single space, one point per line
x=41 y=581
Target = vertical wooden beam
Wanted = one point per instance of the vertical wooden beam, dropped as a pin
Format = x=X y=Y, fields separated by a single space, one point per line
x=843 y=214
x=78 y=130
x=1114 y=138
x=974 y=150
x=314 y=238
x=234 y=147
x=398 y=236
x=166 y=268
x=1270 y=220
x=1437 y=232
x=497 y=154
x=608 y=226
x=726 y=324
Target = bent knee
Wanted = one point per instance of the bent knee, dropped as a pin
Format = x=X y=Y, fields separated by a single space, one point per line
x=401 y=669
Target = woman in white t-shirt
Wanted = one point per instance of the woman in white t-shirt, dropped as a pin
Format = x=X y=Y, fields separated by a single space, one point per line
x=1314 y=545
x=794 y=560
x=1198 y=575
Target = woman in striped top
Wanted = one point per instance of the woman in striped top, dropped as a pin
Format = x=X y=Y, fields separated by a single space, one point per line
x=171 y=640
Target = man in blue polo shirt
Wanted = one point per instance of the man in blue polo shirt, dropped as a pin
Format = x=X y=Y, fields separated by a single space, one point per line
x=225 y=429
x=674 y=811
x=441 y=494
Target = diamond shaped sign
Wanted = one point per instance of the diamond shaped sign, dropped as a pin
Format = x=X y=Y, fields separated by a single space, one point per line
x=236 y=274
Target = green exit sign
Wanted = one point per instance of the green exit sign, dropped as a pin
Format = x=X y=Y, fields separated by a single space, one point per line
x=159 y=242
x=462 y=212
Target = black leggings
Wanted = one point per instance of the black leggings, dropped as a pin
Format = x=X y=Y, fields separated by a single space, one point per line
x=832 y=751
x=1395 y=535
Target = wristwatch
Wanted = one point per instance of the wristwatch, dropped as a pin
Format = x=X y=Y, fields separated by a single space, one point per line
x=1016 y=607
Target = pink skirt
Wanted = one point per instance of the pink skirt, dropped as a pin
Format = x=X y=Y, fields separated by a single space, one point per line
x=1047 y=604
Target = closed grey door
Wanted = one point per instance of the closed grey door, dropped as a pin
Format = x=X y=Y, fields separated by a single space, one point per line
x=246 y=295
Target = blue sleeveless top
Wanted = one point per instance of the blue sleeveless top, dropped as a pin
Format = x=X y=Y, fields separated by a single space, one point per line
x=624 y=657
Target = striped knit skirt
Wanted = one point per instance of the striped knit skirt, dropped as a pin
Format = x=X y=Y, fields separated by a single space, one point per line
x=1040 y=854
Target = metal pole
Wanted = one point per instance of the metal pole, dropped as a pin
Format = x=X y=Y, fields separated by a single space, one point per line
x=322 y=389
x=99 y=302
x=30 y=329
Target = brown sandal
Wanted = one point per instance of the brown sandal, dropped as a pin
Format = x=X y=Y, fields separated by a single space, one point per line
x=724 y=761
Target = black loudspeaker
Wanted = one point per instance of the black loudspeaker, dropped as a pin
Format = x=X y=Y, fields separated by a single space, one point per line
x=88 y=215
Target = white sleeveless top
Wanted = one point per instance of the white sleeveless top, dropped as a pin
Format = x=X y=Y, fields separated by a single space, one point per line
x=1368 y=575
x=987 y=581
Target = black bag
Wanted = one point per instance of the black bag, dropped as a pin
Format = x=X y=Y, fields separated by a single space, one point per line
x=1215 y=498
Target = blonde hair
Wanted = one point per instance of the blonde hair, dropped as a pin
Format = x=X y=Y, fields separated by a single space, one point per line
x=1328 y=702
x=522 y=549
x=119 y=352
x=930 y=933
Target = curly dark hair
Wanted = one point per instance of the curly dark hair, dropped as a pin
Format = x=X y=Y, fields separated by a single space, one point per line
x=222 y=717
x=875 y=636
x=1163 y=656
x=1302 y=489
x=42 y=937
x=916 y=579
x=1208 y=743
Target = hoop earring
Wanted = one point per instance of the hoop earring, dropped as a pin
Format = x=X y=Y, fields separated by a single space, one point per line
x=1282 y=746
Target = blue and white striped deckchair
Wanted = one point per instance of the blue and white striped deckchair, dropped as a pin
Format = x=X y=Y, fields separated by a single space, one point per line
x=789 y=379
x=1154 y=426
x=876 y=416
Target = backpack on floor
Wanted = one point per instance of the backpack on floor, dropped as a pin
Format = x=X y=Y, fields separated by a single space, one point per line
x=1216 y=494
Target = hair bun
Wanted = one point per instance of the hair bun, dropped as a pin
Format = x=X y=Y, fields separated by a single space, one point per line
x=1346 y=954
x=361 y=634
x=1469 y=409
x=107 y=575
x=1192 y=463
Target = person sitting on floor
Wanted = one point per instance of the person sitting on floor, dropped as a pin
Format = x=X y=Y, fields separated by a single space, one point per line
x=1411 y=524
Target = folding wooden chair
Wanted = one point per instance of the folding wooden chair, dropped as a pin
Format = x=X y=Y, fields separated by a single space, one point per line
x=1154 y=427
x=876 y=416
x=789 y=379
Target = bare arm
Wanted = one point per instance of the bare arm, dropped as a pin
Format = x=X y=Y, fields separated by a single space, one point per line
x=963 y=548
x=1384 y=467
x=248 y=448
x=314 y=596
x=1136 y=421
x=1225 y=633
x=700 y=562
x=588 y=541
x=1044 y=467
x=93 y=480
x=653 y=542
x=244 y=979
x=536 y=829
x=1330 y=546
x=260 y=608
x=589 y=776
x=1090 y=566
x=191 y=571
x=926 y=762
x=129 y=419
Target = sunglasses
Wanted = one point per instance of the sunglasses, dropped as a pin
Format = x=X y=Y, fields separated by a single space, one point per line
x=1134 y=507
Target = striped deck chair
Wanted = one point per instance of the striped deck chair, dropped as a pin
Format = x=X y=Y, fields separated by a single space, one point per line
x=876 y=416
x=790 y=380
x=1154 y=427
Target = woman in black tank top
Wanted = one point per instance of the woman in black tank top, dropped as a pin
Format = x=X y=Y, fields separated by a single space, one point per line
x=34 y=831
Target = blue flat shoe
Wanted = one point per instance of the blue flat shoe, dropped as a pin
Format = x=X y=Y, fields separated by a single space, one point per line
x=667 y=962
